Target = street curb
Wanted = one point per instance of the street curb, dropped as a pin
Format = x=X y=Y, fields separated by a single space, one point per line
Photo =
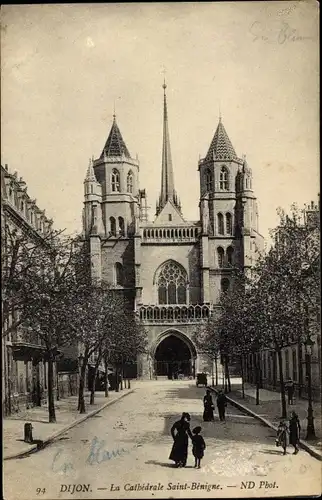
x=46 y=442
x=249 y=412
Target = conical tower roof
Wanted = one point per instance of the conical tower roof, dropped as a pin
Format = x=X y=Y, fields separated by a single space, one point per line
x=90 y=175
x=115 y=145
x=221 y=148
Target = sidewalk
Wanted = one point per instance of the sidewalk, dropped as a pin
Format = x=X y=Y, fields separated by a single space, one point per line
x=67 y=417
x=269 y=409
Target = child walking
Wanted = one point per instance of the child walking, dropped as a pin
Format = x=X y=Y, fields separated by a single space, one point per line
x=281 y=439
x=198 y=446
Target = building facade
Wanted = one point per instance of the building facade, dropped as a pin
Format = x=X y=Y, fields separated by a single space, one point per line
x=172 y=270
x=24 y=372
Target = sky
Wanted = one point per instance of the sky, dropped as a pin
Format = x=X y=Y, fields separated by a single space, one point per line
x=256 y=63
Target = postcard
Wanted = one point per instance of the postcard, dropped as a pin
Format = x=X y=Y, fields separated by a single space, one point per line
x=160 y=250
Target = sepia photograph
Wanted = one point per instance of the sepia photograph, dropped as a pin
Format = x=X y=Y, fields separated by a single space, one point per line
x=160 y=250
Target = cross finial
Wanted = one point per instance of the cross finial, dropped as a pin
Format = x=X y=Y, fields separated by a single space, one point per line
x=114 y=115
x=219 y=112
x=164 y=86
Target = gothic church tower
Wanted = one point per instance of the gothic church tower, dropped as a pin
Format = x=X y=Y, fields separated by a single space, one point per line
x=111 y=212
x=229 y=215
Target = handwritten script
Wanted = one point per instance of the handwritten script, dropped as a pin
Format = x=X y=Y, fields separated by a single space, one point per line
x=97 y=454
x=279 y=33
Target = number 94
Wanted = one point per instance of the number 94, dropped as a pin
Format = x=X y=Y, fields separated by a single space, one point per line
x=40 y=491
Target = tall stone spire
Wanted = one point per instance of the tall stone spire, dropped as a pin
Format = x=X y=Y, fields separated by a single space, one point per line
x=167 y=181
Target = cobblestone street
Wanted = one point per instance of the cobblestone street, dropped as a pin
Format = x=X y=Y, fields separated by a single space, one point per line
x=136 y=434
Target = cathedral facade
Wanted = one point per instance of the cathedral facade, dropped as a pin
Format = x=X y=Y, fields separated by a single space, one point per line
x=171 y=270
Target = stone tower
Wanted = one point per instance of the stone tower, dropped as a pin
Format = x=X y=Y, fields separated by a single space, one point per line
x=229 y=215
x=112 y=206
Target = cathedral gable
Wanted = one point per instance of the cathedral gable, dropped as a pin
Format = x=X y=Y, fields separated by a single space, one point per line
x=169 y=216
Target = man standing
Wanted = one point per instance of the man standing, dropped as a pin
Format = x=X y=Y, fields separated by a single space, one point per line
x=221 y=405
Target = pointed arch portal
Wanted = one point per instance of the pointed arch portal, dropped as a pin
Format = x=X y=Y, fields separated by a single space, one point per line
x=174 y=355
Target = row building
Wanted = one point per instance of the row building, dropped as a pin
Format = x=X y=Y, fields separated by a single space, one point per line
x=24 y=370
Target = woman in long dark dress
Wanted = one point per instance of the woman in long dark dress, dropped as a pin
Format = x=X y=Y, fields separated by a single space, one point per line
x=294 y=430
x=208 y=414
x=180 y=432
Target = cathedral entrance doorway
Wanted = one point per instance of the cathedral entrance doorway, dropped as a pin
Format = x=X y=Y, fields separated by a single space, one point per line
x=173 y=358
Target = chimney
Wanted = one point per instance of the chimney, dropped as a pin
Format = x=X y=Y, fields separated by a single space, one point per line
x=6 y=166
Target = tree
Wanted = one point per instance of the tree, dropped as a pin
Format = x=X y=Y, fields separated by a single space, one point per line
x=279 y=286
x=22 y=252
x=95 y=310
x=206 y=340
x=44 y=290
x=105 y=330
x=128 y=339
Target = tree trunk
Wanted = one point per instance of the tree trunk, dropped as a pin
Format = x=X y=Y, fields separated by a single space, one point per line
x=256 y=366
x=117 y=380
x=81 y=399
x=282 y=387
x=106 y=375
x=216 y=370
x=51 y=403
x=57 y=384
x=227 y=376
x=92 y=396
x=122 y=375
x=242 y=375
x=300 y=369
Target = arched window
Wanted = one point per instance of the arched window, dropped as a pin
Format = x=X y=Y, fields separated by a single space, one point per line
x=115 y=180
x=230 y=253
x=118 y=274
x=113 y=226
x=129 y=182
x=229 y=224
x=220 y=256
x=225 y=285
x=121 y=226
x=22 y=206
x=172 y=284
x=223 y=179
x=209 y=183
x=220 y=220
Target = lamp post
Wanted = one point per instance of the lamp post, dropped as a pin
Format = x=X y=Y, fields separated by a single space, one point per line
x=310 y=431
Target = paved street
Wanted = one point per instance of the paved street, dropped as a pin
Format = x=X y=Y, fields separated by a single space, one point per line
x=129 y=443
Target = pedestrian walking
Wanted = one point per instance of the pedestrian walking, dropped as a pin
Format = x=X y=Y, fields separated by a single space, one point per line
x=208 y=414
x=281 y=439
x=180 y=431
x=221 y=405
x=198 y=446
x=290 y=391
x=295 y=431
